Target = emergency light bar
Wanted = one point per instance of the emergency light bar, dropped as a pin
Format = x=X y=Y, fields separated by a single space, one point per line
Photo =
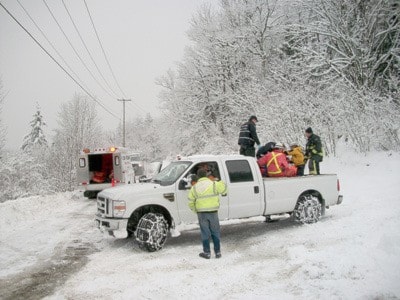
x=111 y=149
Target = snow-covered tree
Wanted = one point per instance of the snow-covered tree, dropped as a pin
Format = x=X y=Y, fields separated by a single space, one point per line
x=36 y=137
x=78 y=128
x=145 y=135
x=23 y=175
x=354 y=40
x=327 y=64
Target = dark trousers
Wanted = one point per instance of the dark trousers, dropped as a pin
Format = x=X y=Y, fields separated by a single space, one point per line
x=209 y=227
x=300 y=170
x=247 y=151
x=313 y=166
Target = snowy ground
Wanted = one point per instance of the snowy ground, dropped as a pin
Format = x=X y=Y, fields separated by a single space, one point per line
x=50 y=248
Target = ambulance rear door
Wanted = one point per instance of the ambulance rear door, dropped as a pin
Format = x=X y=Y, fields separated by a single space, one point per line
x=83 y=177
x=117 y=166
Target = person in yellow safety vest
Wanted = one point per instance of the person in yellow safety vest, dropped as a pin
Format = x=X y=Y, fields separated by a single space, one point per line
x=204 y=200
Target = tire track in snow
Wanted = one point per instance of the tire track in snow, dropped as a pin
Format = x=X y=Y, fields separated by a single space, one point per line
x=41 y=281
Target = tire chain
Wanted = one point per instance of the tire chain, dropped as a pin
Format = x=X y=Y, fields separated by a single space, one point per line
x=306 y=205
x=151 y=231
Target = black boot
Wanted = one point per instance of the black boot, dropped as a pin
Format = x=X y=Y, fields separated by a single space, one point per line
x=205 y=255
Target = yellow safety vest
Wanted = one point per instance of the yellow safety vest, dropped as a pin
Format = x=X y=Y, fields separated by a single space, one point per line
x=204 y=196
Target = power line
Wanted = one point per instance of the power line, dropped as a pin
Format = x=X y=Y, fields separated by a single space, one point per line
x=75 y=51
x=138 y=107
x=52 y=57
x=87 y=49
x=102 y=49
x=51 y=44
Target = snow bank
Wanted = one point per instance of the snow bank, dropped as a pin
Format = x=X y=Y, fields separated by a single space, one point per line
x=32 y=228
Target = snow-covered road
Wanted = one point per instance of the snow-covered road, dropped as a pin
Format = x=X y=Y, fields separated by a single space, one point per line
x=50 y=248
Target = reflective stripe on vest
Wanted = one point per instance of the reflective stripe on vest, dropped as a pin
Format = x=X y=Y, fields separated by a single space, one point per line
x=204 y=188
x=208 y=209
x=245 y=128
x=274 y=159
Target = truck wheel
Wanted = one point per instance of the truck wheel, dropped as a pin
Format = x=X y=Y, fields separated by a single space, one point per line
x=151 y=232
x=308 y=209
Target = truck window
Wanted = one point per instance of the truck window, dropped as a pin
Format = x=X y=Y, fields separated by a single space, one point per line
x=239 y=171
x=171 y=173
x=211 y=167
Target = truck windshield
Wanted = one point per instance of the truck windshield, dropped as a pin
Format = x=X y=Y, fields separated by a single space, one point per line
x=171 y=173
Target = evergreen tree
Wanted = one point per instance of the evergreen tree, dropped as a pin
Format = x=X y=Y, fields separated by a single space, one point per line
x=36 y=138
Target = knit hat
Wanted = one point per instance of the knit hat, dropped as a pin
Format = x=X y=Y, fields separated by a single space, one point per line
x=309 y=130
x=201 y=173
x=253 y=118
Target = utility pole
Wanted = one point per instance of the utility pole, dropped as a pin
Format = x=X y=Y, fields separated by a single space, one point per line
x=123 y=119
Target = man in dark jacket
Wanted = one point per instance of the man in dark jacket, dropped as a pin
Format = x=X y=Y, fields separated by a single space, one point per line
x=314 y=152
x=248 y=137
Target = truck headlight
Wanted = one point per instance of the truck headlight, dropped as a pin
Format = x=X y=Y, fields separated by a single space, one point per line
x=119 y=208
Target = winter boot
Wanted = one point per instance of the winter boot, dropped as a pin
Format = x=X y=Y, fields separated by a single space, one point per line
x=218 y=255
x=205 y=255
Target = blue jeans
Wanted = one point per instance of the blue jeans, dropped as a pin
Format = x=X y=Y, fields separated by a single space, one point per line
x=209 y=227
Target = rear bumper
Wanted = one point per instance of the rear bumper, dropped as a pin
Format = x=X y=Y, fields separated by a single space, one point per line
x=340 y=199
x=116 y=226
x=96 y=187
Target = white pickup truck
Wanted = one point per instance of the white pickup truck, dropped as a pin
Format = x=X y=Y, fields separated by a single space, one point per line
x=149 y=210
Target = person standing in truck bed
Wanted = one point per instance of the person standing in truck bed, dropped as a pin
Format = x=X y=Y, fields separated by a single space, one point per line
x=248 y=137
x=314 y=152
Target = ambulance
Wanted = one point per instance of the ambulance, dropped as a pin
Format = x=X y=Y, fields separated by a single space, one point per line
x=103 y=168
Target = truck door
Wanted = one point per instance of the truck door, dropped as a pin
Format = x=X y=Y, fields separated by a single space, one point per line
x=83 y=170
x=244 y=190
x=185 y=214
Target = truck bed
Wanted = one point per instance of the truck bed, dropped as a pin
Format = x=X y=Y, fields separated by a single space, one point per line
x=279 y=196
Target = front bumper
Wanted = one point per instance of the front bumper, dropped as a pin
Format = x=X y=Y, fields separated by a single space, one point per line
x=340 y=199
x=115 y=227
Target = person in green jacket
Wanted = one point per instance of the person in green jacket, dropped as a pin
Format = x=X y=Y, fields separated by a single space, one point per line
x=204 y=200
x=314 y=152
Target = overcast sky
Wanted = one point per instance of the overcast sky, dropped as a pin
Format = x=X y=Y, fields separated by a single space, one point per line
x=142 y=39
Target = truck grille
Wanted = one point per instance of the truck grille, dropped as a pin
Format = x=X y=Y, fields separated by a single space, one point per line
x=103 y=206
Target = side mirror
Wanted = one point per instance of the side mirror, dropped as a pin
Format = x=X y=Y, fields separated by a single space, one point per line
x=183 y=185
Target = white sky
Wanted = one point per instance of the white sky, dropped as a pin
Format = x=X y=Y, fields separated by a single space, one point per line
x=142 y=38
